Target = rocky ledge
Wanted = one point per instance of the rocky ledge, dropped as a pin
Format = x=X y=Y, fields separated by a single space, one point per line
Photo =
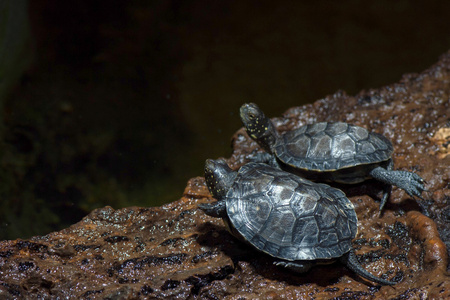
x=176 y=251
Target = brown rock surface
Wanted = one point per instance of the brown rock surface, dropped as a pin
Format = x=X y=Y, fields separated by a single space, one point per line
x=176 y=251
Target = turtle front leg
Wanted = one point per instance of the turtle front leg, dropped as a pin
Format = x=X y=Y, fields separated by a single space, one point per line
x=261 y=157
x=412 y=183
x=298 y=267
x=266 y=158
x=217 y=209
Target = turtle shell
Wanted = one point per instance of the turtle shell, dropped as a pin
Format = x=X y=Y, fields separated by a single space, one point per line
x=331 y=146
x=289 y=217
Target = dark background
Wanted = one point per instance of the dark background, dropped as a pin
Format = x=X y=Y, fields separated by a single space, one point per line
x=126 y=99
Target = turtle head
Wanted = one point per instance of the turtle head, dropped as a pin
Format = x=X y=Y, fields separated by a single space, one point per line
x=219 y=177
x=258 y=126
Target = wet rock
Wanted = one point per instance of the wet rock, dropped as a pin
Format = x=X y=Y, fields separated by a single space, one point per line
x=176 y=251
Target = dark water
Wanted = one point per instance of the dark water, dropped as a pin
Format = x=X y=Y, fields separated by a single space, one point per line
x=126 y=99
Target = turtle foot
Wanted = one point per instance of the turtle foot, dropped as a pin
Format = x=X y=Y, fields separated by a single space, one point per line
x=410 y=182
x=216 y=209
x=413 y=184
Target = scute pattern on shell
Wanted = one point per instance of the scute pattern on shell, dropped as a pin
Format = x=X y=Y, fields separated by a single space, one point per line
x=289 y=217
x=328 y=146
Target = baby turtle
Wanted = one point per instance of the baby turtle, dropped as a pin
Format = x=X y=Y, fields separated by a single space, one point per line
x=294 y=220
x=329 y=151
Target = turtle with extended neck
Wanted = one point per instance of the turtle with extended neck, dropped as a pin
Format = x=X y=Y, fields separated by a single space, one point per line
x=329 y=151
x=294 y=220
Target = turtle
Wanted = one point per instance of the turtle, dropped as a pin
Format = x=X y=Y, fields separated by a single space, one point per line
x=329 y=151
x=296 y=221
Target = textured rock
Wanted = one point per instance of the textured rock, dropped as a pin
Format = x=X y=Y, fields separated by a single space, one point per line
x=176 y=251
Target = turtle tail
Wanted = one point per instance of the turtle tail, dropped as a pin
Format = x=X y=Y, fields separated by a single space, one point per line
x=352 y=263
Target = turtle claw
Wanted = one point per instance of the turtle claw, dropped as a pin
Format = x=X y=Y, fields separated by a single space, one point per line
x=415 y=185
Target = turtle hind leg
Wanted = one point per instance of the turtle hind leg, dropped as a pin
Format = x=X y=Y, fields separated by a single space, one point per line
x=350 y=260
x=386 y=192
x=412 y=183
x=298 y=267
x=217 y=209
